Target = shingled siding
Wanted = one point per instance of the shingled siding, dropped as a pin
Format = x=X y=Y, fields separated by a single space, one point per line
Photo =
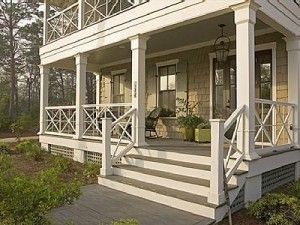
x=198 y=73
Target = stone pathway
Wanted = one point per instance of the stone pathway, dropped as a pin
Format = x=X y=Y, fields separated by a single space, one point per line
x=13 y=140
x=99 y=205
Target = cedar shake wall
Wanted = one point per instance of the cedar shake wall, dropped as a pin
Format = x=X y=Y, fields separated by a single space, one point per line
x=198 y=72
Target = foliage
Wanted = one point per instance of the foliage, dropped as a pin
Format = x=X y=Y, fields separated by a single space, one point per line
x=189 y=121
x=22 y=124
x=31 y=149
x=277 y=209
x=27 y=201
x=294 y=189
x=62 y=164
x=4 y=148
x=204 y=125
x=126 y=222
x=91 y=170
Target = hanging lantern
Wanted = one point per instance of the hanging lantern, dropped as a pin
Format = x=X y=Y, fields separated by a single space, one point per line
x=222 y=46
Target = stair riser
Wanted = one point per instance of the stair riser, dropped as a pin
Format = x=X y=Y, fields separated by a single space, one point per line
x=172 y=156
x=159 y=198
x=197 y=173
x=177 y=185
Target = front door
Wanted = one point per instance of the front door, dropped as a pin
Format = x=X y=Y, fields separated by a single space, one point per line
x=224 y=80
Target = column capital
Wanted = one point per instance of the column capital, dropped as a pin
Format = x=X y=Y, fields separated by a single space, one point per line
x=139 y=42
x=81 y=58
x=245 y=12
x=292 y=43
x=44 y=69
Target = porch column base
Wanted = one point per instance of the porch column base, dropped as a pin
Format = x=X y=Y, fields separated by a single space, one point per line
x=297 y=171
x=79 y=155
x=253 y=189
x=45 y=147
x=217 y=199
x=106 y=172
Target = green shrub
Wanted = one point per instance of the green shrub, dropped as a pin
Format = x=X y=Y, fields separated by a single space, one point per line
x=126 y=222
x=27 y=201
x=91 y=170
x=22 y=124
x=277 y=209
x=5 y=122
x=62 y=164
x=4 y=148
x=31 y=149
x=294 y=189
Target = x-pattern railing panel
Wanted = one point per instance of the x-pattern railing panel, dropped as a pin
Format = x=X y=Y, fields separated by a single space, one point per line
x=231 y=128
x=63 y=23
x=97 y=10
x=274 y=123
x=61 y=120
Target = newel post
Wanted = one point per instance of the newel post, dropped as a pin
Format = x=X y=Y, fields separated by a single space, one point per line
x=216 y=193
x=106 y=169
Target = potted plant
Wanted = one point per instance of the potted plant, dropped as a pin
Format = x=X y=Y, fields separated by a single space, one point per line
x=187 y=120
x=203 y=132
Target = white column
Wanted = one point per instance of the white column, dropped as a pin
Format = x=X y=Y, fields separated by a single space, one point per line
x=106 y=169
x=81 y=63
x=81 y=10
x=138 y=47
x=245 y=19
x=216 y=192
x=98 y=88
x=44 y=92
x=293 y=48
x=45 y=21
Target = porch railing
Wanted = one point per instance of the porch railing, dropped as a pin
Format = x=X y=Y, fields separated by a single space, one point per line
x=274 y=124
x=61 y=120
x=63 y=23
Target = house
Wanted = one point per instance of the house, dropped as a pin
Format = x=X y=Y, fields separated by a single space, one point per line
x=147 y=54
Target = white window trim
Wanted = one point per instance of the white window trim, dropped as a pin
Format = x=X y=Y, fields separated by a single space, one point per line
x=267 y=46
x=162 y=64
x=115 y=73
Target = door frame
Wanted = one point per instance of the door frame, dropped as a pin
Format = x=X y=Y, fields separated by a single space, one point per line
x=261 y=47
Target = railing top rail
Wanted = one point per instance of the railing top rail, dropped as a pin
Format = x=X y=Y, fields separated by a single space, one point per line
x=107 y=105
x=60 y=107
x=270 y=102
x=63 y=11
x=124 y=116
x=231 y=120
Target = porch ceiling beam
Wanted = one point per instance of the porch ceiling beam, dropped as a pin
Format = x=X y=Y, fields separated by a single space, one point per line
x=69 y=65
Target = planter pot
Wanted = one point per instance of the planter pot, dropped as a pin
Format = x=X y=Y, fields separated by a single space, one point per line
x=202 y=135
x=188 y=134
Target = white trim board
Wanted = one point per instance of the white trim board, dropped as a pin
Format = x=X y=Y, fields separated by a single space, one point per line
x=266 y=46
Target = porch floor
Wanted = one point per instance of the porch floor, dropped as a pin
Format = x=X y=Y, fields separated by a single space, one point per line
x=180 y=146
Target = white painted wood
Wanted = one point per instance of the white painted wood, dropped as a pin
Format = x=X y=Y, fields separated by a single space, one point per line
x=293 y=48
x=216 y=193
x=204 y=160
x=159 y=198
x=106 y=155
x=81 y=63
x=44 y=95
x=81 y=14
x=79 y=155
x=177 y=185
x=138 y=48
x=98 y=88
x=253 y=189
x=45 y=21
x=180 y=170
x=245 y=19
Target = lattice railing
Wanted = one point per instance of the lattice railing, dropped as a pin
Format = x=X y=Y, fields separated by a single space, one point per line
x=61 y=120
x=274 y=124
x=97 y=10
x=121 y=115
x=63 y=23
x=231 y=128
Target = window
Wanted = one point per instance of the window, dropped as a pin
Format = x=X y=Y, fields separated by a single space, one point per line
x=118 y=88
x=167 y=92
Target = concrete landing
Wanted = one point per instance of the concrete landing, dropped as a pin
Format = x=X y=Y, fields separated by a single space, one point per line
x=99 y=205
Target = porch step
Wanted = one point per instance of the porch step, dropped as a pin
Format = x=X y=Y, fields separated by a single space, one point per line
x=185 y=201
x=171 y=166
x=195 y=186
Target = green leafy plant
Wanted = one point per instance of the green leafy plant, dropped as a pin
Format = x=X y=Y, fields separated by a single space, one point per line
x=125 y=222
x=204 y=125
x=31 y=149
x=62 y=164
x=26 y=201
x=4 y=148
x=277 y=209
x=22 y=124
x=91 y=170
